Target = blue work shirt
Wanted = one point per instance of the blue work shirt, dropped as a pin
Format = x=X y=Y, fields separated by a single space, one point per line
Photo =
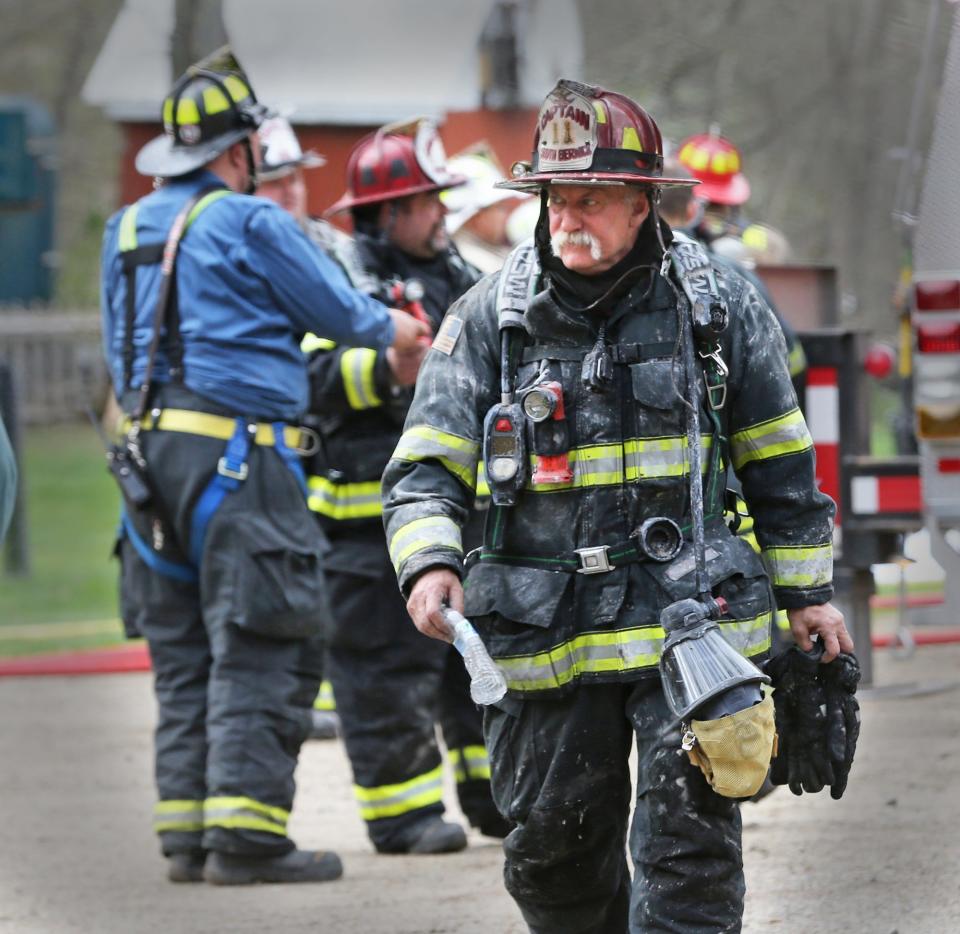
x=249 y=286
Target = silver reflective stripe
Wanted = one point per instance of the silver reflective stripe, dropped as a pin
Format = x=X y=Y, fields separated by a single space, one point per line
x=391 y=800
x=617 y=652
x=423 y=534
x=181 y=815
x=787 y=434
x=246 y=814
x=458 y=455
x=357 y=368
x=656 y=458
x=800 y=566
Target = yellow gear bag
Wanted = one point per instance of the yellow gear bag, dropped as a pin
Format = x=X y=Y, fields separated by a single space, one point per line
x=734 y=752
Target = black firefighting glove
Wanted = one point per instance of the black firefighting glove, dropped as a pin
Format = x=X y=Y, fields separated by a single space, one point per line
x=800 y=705
x=840 y=678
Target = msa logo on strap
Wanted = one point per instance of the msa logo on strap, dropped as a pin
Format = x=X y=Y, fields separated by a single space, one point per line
x=517 y=282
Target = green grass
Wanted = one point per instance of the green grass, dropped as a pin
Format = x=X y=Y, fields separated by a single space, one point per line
x=72 y=509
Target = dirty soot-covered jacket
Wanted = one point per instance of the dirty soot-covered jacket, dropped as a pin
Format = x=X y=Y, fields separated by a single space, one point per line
x=354 y=406
x=548 y=626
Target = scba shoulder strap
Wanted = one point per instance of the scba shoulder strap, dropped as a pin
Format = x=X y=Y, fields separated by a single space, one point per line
x=692 y=270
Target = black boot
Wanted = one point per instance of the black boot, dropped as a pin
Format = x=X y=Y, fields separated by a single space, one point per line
x=431 y=835
x=186 y=867
x=295 y=866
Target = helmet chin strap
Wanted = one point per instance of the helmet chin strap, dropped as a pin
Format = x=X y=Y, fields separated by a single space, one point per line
x=251 y=186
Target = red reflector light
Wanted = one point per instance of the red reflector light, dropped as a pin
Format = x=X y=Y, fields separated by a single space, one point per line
x=503 y=424
x=938 y=338
x=948 y=465
x=937 y=295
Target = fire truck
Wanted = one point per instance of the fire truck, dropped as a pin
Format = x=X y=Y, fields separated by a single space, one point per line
x=881 y=500
x=935 y=326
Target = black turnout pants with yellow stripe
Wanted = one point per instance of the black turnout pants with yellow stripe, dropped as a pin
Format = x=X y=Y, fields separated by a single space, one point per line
x=560 y=769
x=392 y=686
x=236 y=653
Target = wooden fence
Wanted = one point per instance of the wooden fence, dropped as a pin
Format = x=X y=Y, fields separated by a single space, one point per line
x=56 y=361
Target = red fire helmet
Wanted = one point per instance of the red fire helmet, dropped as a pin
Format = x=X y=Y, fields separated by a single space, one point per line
x=716 y=162
x=587 y=135
x=395 y=161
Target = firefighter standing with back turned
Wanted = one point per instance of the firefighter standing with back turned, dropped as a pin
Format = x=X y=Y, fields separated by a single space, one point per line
x=206 y=293
x=565 y=374
x=391 y=684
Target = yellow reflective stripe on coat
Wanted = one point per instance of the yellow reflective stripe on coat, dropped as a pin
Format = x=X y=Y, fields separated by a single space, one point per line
x=205 y=202
x=423 y=534
x=799 y=565
x=470 y=763
x=127 y=236
x=617 y=652
x=357 y=369
x=245 y=814
x=311 y=342
x=458 y=455
x=177 y=815
x=787 y=434
x=796 y=359
x=344 y=500
x=391 y=800
x=636 y=459
x=324 y=699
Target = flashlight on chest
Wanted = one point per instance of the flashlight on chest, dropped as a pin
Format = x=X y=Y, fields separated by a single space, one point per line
x=543 y=405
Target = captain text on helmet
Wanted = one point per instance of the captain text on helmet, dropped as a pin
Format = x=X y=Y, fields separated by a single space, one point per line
x=565 y=381
x=393 y=687
x=206 y=294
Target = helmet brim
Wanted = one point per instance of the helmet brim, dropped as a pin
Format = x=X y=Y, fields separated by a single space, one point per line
x=309 y=160
x=347 y=201
x=734 y=191
x=540 y=180
x=164 y=158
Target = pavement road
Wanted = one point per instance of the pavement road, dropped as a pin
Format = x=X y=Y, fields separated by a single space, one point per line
x=78 y=855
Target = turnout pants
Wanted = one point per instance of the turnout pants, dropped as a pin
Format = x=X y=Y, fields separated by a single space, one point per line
x=392 y=685
x=236 y=650
x=560 y=769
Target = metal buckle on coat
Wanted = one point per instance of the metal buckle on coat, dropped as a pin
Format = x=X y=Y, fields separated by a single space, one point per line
x=312 y=439
x=594 y=560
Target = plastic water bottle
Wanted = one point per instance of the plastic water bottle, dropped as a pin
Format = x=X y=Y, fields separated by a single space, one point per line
x=487 y=683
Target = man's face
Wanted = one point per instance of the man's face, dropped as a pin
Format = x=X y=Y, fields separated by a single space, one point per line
x=593 y=227
x=417 y=226
x=289 y=191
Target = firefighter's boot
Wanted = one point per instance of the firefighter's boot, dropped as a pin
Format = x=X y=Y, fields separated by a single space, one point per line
x=431 y=835
x=186 y=867
x=295 y=866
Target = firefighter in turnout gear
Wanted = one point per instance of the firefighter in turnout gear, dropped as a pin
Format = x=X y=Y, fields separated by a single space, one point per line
x=281 y=178
x=716 y=220
x=391 y=684
x=206 y=294
x=562 y=380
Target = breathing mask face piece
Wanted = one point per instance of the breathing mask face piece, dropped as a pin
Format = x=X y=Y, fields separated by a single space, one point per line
x=699 y=666
x=734 y=752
